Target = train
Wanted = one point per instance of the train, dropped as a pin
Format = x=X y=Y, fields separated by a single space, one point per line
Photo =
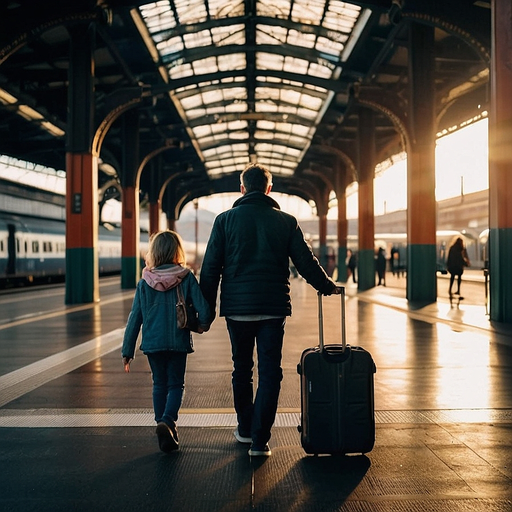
x=33 y=249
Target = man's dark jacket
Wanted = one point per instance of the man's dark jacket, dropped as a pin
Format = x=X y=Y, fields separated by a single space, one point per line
x=250 y=248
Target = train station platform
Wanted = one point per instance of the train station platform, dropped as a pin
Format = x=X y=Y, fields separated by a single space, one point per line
x=77 y=433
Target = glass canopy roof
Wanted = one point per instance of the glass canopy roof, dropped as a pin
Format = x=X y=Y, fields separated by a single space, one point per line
x=251 y=86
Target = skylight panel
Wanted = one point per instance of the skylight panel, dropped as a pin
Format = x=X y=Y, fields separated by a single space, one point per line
x=298 y=129
x=180 y=71
x=266 y=106
x=269 y=34
x=319 y=70
x=231 y=62
x=192 y=102
x=229 y=35
x=203 y=66
x=170 y=46
x=274 y=9
x=331 y=47
x=225 y=168
x=196 y=113
x=307 y=113
x=198 y=39
x=294 y=65
x=265 y=146
x=308 y=11
x=202 y=131
x=341 y=16
x=301 y=39
x=190 y=11
x=158 y=16
x=226 y=8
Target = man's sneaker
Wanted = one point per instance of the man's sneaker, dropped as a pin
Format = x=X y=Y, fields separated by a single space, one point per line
x=166 y=439
x=257 y=451
x=242 y=439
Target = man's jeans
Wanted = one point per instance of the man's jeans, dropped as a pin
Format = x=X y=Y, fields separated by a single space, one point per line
x=168 y=369
x=256 y=419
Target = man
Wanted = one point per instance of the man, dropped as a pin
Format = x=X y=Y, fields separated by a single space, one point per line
x=250 y=247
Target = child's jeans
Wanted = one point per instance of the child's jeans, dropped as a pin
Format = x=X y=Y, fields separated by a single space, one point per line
x=168 y=369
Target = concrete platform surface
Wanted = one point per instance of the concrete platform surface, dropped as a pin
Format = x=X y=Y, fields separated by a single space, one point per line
x=77 y=433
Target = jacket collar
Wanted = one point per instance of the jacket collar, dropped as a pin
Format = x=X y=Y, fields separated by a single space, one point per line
x=256 y=198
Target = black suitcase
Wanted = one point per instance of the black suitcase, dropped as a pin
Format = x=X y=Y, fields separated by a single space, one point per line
x=337 y=404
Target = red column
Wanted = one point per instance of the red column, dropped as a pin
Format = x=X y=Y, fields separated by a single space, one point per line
x=500 y=164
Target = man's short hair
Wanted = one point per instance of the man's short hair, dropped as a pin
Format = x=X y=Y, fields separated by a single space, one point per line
x=256 y=178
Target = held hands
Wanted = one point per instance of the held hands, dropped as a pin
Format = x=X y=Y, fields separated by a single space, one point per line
x=203 y=328
x=126 y=363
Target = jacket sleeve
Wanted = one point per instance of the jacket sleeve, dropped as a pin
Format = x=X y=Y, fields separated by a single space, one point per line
x=212 y=267
x=307 y=264
x=132 y=326
x=199 y=302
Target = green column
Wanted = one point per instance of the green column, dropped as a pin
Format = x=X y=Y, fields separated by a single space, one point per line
x=81 y=271
x=365 y=269
x=421 y=266
x=500 y=283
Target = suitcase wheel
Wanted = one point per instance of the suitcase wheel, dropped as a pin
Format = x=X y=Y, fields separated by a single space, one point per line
x=299 y=369
x=299 y=428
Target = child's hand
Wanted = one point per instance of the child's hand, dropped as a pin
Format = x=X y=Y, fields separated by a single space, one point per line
x=126 y=362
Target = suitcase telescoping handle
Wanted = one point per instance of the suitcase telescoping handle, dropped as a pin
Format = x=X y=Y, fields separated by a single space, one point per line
x=341 y=292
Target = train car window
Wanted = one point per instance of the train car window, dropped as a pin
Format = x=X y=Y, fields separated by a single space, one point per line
x=17 y=245
x=47 y=247
x=26 y=246
x=1 y=245
x=35 y=246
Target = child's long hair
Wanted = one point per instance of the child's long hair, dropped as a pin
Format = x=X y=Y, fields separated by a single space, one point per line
x=165 y=247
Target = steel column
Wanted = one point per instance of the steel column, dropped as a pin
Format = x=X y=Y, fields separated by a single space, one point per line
x=154 y=195
x=82 y=216
x=341 y=223
x=366 y=225
x=500 y=164
x=130 y=262
x=421 y=199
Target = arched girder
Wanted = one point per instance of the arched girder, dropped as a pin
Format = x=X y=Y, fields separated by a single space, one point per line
x=306 y=188
x=109 y=184
x=118 y=103
x=147 y=158
x=453 y=23
x=274 y=141
x=250 y=116
x=178 y=83
x=305 y=28
x=36 y=32
x=387 y=104
x=348 y=163
x=187 y=93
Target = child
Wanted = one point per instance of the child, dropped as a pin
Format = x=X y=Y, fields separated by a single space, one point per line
x=166 y=346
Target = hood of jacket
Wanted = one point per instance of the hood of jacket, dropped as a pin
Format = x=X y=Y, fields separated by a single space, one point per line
x=165 y=277
x=256 y=198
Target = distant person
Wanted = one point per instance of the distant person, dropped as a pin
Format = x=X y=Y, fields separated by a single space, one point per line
x=351 y=264
x=248 y=253
x=395 y=260
x=457 y=260
x=380 y=266
x=166 y=346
